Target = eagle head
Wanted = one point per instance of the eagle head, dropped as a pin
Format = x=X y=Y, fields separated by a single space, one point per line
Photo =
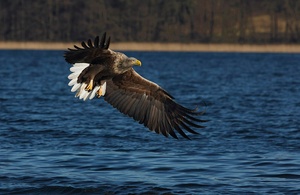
x=130 y=62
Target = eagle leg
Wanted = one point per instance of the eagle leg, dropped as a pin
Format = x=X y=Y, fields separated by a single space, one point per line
x=90 y=86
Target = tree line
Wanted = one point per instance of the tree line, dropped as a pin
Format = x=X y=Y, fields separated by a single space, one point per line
x=185 y=21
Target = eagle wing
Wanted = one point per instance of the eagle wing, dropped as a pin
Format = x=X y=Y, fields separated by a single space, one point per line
x=91 y=52
x=88 y=62
x=149 y=104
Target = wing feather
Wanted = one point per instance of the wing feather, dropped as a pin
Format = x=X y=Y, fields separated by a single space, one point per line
x=142 y=105
x=76 y=48
x=90 y=44
x=179 y=130
x=170 y=128
x=124 y=103
x=191 y=123
x=96 y=42
x=152 y=118
x=83 y=44
x=130 y=108
x=90 y=51
x=150 y=105
x=182 y=124
x=107 y=43
x=102 y=42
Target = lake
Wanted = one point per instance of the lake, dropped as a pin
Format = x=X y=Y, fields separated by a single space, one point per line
x=54 y=143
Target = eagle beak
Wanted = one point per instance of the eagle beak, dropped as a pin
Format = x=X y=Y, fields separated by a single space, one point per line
x=138 y=63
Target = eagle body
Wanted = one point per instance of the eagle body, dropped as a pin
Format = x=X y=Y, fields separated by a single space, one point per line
x=100 y=71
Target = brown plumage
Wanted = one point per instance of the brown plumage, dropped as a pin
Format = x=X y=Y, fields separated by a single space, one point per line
x=100 y=71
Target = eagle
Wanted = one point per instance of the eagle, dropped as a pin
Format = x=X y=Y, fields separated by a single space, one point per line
x=99 y=71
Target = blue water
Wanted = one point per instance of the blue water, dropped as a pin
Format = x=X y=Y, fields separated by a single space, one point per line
x=53 y=143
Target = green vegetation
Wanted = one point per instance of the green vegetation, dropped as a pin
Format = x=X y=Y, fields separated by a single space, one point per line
x=185 y=21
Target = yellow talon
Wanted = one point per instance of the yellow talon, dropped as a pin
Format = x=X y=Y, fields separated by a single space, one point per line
x=89 y=87
x=99 y=92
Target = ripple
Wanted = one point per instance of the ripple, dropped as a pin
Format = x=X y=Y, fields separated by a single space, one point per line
x=53 y=143
x=285 y=176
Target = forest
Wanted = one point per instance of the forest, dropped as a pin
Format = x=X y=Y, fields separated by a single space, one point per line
x=183 y=21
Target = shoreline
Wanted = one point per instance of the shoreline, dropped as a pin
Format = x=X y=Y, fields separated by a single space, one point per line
x=139 y=46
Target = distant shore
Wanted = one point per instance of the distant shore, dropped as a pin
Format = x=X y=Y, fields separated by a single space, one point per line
x=137 y=46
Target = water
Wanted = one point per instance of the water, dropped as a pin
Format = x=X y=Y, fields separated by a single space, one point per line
x=53 y=143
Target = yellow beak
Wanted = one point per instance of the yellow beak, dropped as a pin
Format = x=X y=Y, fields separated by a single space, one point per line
x=138 y=63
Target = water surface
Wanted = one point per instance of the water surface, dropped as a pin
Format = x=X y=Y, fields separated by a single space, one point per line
x=51 y=142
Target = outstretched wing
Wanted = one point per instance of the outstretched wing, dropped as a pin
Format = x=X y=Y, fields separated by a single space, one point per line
x=88 y=64
x=151 y=105
x=90 y=52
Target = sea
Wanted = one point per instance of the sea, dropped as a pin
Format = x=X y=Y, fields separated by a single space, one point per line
x=54 y=143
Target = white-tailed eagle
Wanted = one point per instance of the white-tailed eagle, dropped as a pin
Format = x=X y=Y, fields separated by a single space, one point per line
x=99 y=71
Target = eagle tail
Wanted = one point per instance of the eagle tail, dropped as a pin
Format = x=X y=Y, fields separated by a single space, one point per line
x=83 y=90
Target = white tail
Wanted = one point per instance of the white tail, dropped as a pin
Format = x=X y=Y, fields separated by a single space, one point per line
x=79 y=88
